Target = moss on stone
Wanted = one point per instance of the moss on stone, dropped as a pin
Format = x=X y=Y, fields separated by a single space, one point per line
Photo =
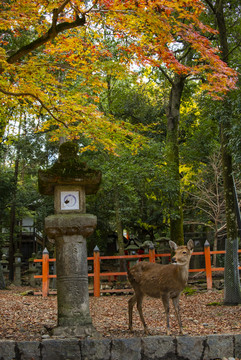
x=68 y=169
x=69 y=163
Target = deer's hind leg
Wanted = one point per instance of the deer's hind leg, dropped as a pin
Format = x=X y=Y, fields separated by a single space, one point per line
x=131 y=303
x=139 y=299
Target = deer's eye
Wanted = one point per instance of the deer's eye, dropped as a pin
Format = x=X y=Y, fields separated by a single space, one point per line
x=184 y=252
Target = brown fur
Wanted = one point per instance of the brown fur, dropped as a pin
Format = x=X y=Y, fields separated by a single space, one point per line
x=160 y=281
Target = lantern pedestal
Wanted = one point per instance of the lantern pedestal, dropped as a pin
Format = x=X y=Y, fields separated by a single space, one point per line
x=69 y=232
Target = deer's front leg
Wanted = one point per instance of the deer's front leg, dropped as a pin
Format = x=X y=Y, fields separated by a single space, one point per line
x=165 y=301
x=177 y=311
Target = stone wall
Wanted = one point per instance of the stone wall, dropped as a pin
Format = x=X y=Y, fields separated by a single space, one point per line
x=147 y=348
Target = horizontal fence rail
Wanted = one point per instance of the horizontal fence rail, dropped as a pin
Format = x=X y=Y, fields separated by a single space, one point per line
x=97 y=258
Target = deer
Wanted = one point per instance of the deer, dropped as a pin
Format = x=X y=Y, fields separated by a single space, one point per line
x=161 y=281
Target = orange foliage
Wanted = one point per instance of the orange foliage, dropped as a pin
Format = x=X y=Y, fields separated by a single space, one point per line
x=53 y=57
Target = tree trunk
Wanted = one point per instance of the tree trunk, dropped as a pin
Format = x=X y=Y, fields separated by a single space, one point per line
x=119 y=225
x=13 y=221
x=215 y=245
x=172 y=146
x=2 y=281
x=120 y=238
x=13 y=209
x=232 y=293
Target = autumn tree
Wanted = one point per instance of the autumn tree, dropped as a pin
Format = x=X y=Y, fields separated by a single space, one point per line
x=227 y=16
x=51 y=62
x=170 y=36
x=51 y=55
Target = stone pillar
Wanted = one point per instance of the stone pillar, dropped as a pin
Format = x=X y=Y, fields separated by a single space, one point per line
x=69 y=232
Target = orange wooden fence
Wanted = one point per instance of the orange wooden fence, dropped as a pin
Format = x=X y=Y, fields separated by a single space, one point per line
x=96 y=258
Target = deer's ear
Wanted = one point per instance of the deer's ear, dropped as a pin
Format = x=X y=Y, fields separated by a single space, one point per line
x=190 y=244
x=173 y=245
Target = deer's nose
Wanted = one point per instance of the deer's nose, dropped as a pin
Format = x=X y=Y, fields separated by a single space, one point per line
x=174 y=260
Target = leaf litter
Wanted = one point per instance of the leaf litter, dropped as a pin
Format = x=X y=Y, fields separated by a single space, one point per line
x=29 y=317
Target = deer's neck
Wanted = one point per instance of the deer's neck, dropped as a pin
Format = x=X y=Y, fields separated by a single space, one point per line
x=183 y=273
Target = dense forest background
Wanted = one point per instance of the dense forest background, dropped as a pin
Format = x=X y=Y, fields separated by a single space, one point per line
x=161 y=123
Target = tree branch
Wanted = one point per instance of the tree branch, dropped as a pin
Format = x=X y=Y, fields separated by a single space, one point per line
x=198 y=223
x=235 y=47
x=166 y=76
x=209 y=3
x=62 y=6
x=50 y=35
x=36 y=98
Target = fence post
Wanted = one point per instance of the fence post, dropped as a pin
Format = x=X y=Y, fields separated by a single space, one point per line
x=45 y=273
x=152 y=257
x=96 y=271
x=208 y=265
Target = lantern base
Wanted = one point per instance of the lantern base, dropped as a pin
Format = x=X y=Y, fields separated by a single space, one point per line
x=77 y=331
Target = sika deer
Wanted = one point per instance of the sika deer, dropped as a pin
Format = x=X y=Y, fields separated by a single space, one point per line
x=161 y=281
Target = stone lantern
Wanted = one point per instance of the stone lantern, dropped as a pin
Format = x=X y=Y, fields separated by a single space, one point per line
x=132 y=250
x=17 y=268
x=4 y=263
x=69 y=180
